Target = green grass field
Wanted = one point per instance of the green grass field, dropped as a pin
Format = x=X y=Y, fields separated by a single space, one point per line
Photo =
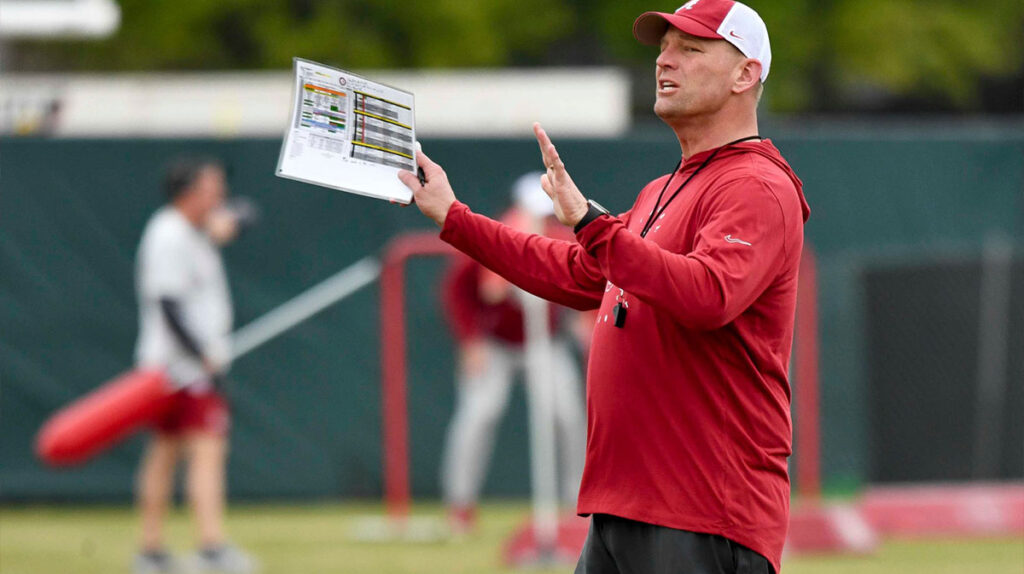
x=314 y=539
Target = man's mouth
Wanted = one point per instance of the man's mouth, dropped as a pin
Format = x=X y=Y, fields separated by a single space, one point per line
x=667 y=86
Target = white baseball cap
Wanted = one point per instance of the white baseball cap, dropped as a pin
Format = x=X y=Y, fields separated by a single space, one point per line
x=529 y=195
x=727 y=20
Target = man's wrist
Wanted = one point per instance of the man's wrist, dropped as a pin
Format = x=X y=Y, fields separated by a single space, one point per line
x=440 y=221
x=594 y=210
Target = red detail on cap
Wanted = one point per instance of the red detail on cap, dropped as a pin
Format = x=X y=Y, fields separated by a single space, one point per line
x=708 y=12
x=701 y=19
x=735 y=35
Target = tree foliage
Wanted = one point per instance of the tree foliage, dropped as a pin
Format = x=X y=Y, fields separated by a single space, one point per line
x=826 y=53
x=255 y=34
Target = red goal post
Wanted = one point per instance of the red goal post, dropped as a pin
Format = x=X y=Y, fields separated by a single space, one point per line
x=394 y=409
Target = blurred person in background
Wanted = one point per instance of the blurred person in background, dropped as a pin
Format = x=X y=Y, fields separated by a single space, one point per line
x=487 y=319
x=185 y=317
x=687 y=386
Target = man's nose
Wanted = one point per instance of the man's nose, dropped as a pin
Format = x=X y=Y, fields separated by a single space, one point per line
x=665 y=60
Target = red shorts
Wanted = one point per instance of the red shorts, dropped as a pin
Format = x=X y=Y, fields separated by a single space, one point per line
x=205 y=411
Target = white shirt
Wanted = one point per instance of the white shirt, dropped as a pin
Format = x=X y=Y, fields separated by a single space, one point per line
x=178 y=261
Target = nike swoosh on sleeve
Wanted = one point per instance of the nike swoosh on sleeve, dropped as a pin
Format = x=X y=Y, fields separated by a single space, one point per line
x=729 y=238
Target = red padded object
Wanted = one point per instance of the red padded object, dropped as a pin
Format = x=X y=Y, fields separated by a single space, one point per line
x=100 y=419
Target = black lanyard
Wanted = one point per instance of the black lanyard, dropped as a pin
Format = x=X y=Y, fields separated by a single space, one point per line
x=657 y=211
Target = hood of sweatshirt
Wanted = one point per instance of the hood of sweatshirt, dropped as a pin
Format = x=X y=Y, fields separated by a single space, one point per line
x=767 y=149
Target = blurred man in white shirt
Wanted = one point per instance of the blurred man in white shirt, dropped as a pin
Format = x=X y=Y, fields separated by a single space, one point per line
x=185 y=317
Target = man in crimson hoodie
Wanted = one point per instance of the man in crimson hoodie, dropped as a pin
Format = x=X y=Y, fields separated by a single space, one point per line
x=687 y=389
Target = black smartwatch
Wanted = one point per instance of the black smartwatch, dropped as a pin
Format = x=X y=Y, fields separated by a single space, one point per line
x=594 y=210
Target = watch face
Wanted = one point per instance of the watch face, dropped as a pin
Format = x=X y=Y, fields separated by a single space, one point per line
x=599 y=207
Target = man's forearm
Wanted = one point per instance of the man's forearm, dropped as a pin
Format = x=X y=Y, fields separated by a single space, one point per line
x=172 y=314
x=708 y=287
x=559 y=271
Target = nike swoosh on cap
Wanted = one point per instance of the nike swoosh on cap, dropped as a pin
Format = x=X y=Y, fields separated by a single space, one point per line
x=735 y=35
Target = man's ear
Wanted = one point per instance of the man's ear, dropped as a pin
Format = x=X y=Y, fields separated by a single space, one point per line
x=749 y=76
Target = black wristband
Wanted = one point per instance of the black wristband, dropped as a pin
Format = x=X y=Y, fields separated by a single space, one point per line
x=594 y=210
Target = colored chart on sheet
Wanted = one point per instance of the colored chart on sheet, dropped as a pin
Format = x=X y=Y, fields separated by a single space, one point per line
x=349 y=133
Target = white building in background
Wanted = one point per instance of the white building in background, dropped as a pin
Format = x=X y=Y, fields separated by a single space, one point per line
x=58 y=18
x=571 y=102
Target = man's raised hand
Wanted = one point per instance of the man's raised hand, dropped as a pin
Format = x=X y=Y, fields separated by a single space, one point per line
x=570 y=205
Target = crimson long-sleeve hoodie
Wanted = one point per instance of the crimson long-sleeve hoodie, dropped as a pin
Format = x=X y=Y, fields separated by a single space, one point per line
x=688 y=403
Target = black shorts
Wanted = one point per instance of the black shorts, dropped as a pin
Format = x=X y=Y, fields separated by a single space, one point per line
x=620 y=546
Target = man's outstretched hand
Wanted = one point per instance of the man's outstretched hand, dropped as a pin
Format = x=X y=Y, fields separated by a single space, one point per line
x=570 y=205
x=435 y=196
